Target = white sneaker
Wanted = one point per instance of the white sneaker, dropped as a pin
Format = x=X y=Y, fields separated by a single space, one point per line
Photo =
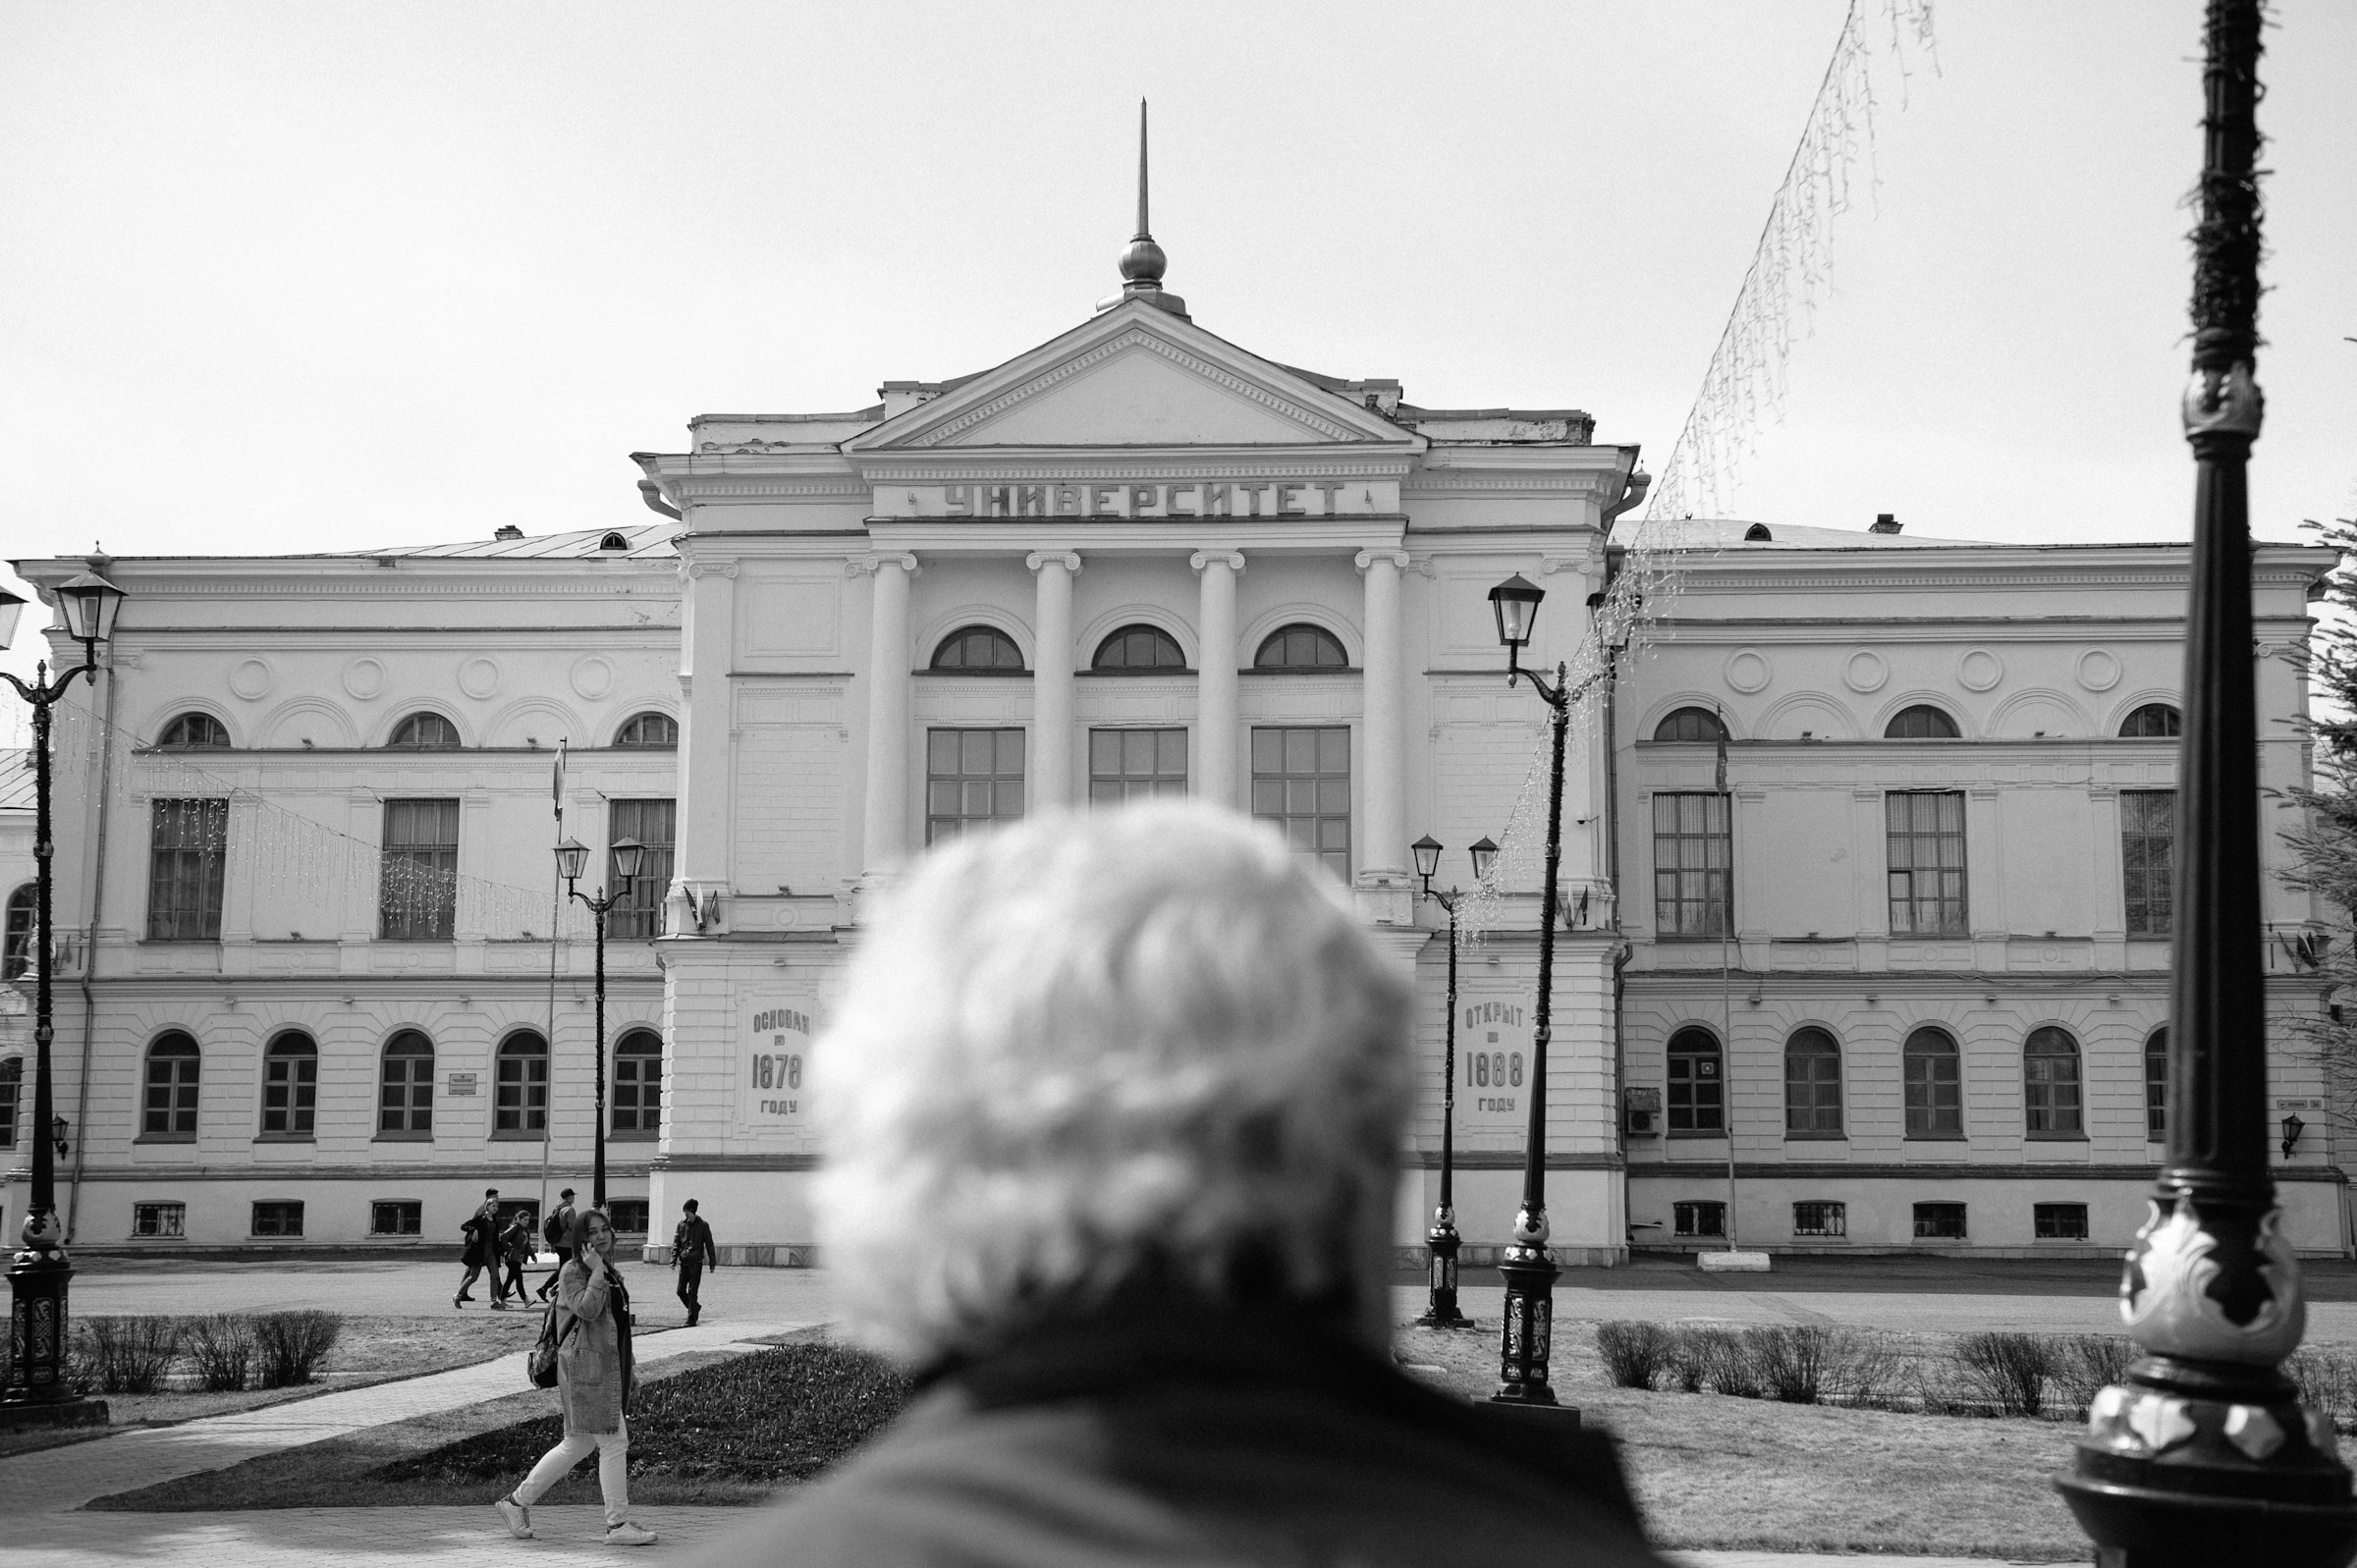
x=628 y=1534
x=518 y=1516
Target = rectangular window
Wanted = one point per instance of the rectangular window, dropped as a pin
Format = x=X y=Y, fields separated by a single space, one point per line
x=401 y=1218
x=278 y=1219
x=1820 y=1218
x=2060 y=1222
x=2147 y=839
x=1135 y=765
x=11 y=1092
x=629 y=1216
x=1935 y=1094
x=1703 y=1216
x=1939 y=1221
x=1927 y=862
x=973 y=778
x=1693 y=860
x=654 y=823
x=188 y=842
x=417 y=893
x=520 y=1103
x=1301 y=785
x=162 y=1220
x=289 y=1093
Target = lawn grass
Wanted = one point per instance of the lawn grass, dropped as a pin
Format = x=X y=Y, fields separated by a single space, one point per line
x=1713 y=1472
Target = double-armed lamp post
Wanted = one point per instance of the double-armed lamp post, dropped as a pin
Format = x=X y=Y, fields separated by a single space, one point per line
x=573 y=857
x=37 y=1389
x=1442 y=1240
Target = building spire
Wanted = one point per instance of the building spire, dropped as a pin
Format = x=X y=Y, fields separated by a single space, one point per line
x=1143 y=263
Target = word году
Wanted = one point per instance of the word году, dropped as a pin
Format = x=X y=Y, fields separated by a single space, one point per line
x=1222 y=499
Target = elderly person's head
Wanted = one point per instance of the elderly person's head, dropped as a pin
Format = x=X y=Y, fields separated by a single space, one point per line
x=1140 y=1049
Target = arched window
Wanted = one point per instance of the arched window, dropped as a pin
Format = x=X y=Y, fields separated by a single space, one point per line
x=11 y=1091
x=194 y=730
x=1935 y=1086
x=2153 y=720
x=1301 y=646
x=2156 y=1084
x=1923 y=721
x=405 y=1093
x=1139 y=647
x=613 y=541
x=16 y=946
x=975 y=649
x=1697 y=1100
x=2049 y=1074
x=648 y=732
x=1690 y=723
x=170 y=1111
x=425 y=732
x=290 y=1086
x=1812 y=1085
x=638 y=1085
x=520 y=1103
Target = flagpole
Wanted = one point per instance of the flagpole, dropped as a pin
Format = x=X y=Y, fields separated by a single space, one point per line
x=556 y=912
x=1726 y=995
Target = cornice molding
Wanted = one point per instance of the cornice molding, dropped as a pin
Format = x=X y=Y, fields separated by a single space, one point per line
x=1140 y=463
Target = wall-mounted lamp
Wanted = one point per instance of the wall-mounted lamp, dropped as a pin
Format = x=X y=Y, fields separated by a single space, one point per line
x=2294 y=1126
x=58 y=1127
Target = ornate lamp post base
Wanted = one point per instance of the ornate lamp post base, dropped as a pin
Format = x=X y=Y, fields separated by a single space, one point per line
x=1527 y=1331
x=1443 y=1242
x=38 y=1393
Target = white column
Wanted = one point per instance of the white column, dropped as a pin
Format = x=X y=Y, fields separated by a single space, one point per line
x=1384 y=848
x=886 y=818
x=1216 y=709
x=1052 y=678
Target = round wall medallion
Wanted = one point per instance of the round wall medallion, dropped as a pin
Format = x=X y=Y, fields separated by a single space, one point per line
x=250 y=679
x=364 y=678
x=1748 y=670
x=1979 y=669
x=478 y=678
x=2098 y=670
x=1865 y=671
x=592 y=678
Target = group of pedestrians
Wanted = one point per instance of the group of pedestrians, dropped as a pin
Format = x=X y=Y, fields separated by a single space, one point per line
x=506 y=1249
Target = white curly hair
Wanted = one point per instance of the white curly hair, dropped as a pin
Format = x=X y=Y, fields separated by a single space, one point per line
x=1145 y=1045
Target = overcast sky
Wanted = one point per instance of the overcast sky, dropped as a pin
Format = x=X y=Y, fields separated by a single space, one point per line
x=328 y=276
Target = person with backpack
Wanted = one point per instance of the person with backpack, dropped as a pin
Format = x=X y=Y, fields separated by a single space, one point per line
x=692 y=1249
x=482 y=1231
x=516 y=1249
x=595 y=1379
x=554 y=1233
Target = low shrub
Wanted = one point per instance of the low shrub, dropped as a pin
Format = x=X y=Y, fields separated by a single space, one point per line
x=1868 y=1367
x=1792 y=1364
x=2085 y=1365
x=2326 y=1381
x=288 y=1346
x=2008 y=1369
x=773 y=1415
x=124 y=1355
x=1634 y=1353
x=1716 y=1359
x=221 y=1349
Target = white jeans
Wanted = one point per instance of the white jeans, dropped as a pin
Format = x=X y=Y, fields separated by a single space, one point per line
x=613 y=1469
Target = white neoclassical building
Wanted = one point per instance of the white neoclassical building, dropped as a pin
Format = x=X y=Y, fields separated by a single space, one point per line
x=1889 y=959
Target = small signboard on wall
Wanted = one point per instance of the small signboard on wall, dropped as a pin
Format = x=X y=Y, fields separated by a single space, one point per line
x=1494 y=1037
x=773 y=1065
x=461 y=1085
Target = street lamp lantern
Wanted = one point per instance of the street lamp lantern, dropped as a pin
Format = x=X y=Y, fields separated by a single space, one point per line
x=1427 y=851
x=627 y=853
x=58 y=1127
x=10 y=607
x=89 y=603
x=1485 y=855
x=572 y=858
x=1515 y=604
x=2294 y=1126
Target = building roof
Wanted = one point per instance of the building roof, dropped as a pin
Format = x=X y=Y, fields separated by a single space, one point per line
x=648 y=541
x=15 y=778
x=1727 y=533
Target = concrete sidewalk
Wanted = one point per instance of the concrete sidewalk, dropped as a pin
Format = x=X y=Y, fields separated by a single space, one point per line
x=53 y=1479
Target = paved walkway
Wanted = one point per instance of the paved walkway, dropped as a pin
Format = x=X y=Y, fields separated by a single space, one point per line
x=52 y=1479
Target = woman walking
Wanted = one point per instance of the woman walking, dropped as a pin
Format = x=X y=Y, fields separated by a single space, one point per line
x=594 y=1375
x=516 y=1244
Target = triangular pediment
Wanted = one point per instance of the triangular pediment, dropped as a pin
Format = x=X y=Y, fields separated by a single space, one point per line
x=1135 y=377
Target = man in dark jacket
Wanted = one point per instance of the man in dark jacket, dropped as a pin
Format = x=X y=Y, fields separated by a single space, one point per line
x=692 y=1249
x=482 y=1251
x=1111 y=1111
x=557 y=1233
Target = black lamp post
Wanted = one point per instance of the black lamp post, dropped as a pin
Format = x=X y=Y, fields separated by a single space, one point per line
x=2202 y=1454
x=1530 y=1274
x=37 y=1279
x=571 y=858
x=1442 y=1240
